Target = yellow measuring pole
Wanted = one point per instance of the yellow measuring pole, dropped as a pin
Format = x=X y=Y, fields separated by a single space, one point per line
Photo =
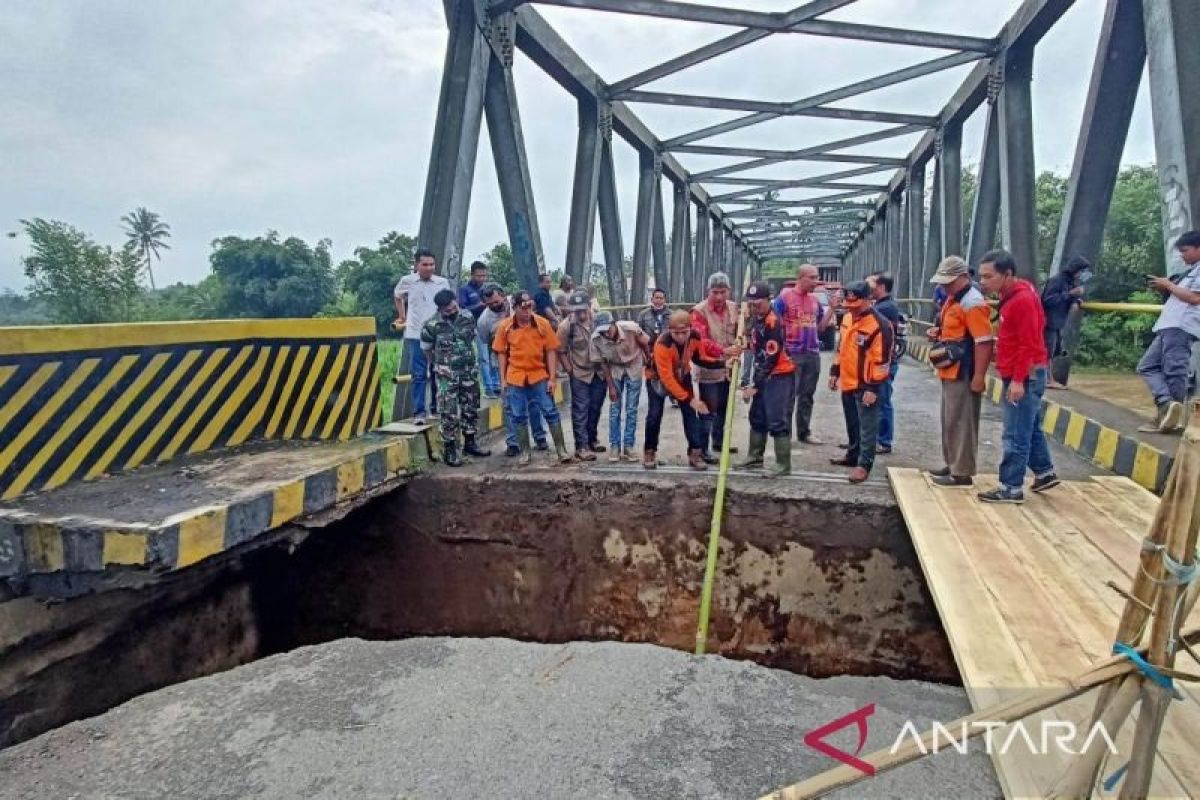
x=718 y=512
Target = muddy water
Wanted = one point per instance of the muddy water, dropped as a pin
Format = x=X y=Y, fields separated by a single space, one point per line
x=814 y=586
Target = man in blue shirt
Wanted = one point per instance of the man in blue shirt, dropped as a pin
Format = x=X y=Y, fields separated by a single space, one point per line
x=470 y=300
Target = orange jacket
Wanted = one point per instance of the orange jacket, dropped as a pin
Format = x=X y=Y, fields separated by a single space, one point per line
x=674 y=363
x=865 y=352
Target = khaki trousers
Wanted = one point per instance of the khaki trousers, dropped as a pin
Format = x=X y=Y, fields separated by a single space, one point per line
x=960 y=427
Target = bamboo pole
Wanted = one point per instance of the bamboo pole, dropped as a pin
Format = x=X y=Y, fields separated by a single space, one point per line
x=1107 y=672
x=1180 y=508
x=718 y=512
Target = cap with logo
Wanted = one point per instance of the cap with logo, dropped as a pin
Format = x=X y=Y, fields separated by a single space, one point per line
x=579 y=301
x=758 y=291
x=604 y=321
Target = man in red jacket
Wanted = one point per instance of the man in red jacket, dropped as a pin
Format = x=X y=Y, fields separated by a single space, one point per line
x=1021 y=361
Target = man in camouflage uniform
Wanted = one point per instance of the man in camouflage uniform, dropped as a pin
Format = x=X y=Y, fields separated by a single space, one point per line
x=448 y=340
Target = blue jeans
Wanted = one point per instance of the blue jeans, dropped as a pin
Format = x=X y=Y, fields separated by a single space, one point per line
x=629 y=387
x=1024 y=443
x=420 y=377
x=887 y=414
x=489 y=371
x=537 y=425
x=520 y=399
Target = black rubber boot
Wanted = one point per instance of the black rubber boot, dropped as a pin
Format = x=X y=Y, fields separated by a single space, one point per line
x=450 y=456
x=472 y=448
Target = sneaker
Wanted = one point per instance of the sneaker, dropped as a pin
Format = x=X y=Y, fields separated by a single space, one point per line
x=812 y=440
x=542 y=445
x=512 y=451
x=598 y=448
x=628 y=456
x=585 y=455
x=614 y=454
x=1173 y=418
x=943 y=472
x=1045 y=482
x=419 y=419
x=951 y=480
x=884 y=449
x=1002 y=495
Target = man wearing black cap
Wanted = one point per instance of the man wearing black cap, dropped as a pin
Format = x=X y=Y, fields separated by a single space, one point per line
x=769 y=386
x=862 y=366
x=448 y=341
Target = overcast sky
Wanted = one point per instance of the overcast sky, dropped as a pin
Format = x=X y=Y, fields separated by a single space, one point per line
x=315 y=118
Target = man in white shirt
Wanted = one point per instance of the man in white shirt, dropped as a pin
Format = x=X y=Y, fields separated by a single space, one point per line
x=1166 y=364
x=414 y=307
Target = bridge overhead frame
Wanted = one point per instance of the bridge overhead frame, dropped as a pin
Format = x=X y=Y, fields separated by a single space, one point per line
x=859 y=216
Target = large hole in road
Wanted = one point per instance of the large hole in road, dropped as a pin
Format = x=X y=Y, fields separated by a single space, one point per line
x=818 y=586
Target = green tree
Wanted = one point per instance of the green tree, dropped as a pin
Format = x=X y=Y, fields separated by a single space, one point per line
x=78 y=280
x=1050 y=195
x=18 y=309
x=367 y=280
x=147 y=234
x=1133 y=244
x=266 y=277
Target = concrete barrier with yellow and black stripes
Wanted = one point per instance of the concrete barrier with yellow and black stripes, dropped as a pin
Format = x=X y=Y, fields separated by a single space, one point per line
x=1104 y=446
x=84 y=401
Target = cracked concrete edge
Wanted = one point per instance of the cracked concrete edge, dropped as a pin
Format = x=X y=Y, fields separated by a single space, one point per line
x=1089 y=438
x=32 y=545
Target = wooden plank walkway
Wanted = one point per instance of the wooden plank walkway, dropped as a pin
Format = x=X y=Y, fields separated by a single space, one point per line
x=1021 y=590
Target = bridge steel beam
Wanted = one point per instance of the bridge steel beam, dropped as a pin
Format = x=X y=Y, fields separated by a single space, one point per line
x=688 y=284
x=658 y=241
x=798 y=107
x=915 y=204
x=783 y=183
x=1017 y=171
x=950 y=174
x=703 y=249
x=1174 y=61
x=985 y=215
x=512 y=170
x=896 y=229
x=643 y=226
x=443 y=227
x=581 y=230
x=933 y=233
x=1116 y=73
x=610 y=227
x=679 y=241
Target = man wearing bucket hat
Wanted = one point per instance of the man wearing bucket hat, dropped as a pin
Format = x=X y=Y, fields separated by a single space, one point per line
x=864 y=359
x=961 y=351
x=769 y=386
x=587 y=382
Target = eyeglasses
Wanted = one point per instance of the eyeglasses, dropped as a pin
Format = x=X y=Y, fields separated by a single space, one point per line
x=526 y=304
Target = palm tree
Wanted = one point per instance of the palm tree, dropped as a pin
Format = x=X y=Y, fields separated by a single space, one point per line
x=147 y=234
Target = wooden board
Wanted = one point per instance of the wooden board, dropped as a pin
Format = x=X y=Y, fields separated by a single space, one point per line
x=1022 y=594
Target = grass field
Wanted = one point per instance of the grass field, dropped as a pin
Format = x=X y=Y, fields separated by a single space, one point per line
x=388 y=353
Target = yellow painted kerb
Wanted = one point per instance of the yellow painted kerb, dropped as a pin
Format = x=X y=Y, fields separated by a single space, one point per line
x=350 y=479
x=121 y=547
x=1106 y=448
x=201 y=536
x=1051 y=417
x=287 y=503
x=44 y=545
x=56 y=339
x=1145 y=466
x=1075 y=425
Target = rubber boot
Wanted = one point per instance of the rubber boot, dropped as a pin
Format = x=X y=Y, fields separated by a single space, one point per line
x=450 y=456
x=472 y=448
x=758 y=448
x=783 y=457
x=696 y=460
x=523 y=441
x=560 y=444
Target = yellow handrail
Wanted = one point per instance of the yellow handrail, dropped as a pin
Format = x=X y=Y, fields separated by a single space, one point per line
x=1088 y=305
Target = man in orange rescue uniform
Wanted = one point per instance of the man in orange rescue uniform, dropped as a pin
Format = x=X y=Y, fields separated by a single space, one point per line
x=864 y=358
x=961 y=350
x=675 y=352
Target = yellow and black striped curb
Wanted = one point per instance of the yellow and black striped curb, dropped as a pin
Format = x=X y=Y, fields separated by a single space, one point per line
x=89 y=400
x=1098 y=443
x=38 y=545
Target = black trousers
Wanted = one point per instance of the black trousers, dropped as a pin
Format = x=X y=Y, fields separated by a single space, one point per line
x=772 y=406
x=806 y=378
x=862 y=428
x=587 y=399
x=716 y=397
x=654 y=414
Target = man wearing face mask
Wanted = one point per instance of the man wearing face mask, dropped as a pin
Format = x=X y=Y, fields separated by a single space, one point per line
x=1062 y=292
x=448 y=342
x=863 y=362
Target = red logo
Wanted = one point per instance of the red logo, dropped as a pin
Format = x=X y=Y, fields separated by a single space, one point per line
x=816 y=739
